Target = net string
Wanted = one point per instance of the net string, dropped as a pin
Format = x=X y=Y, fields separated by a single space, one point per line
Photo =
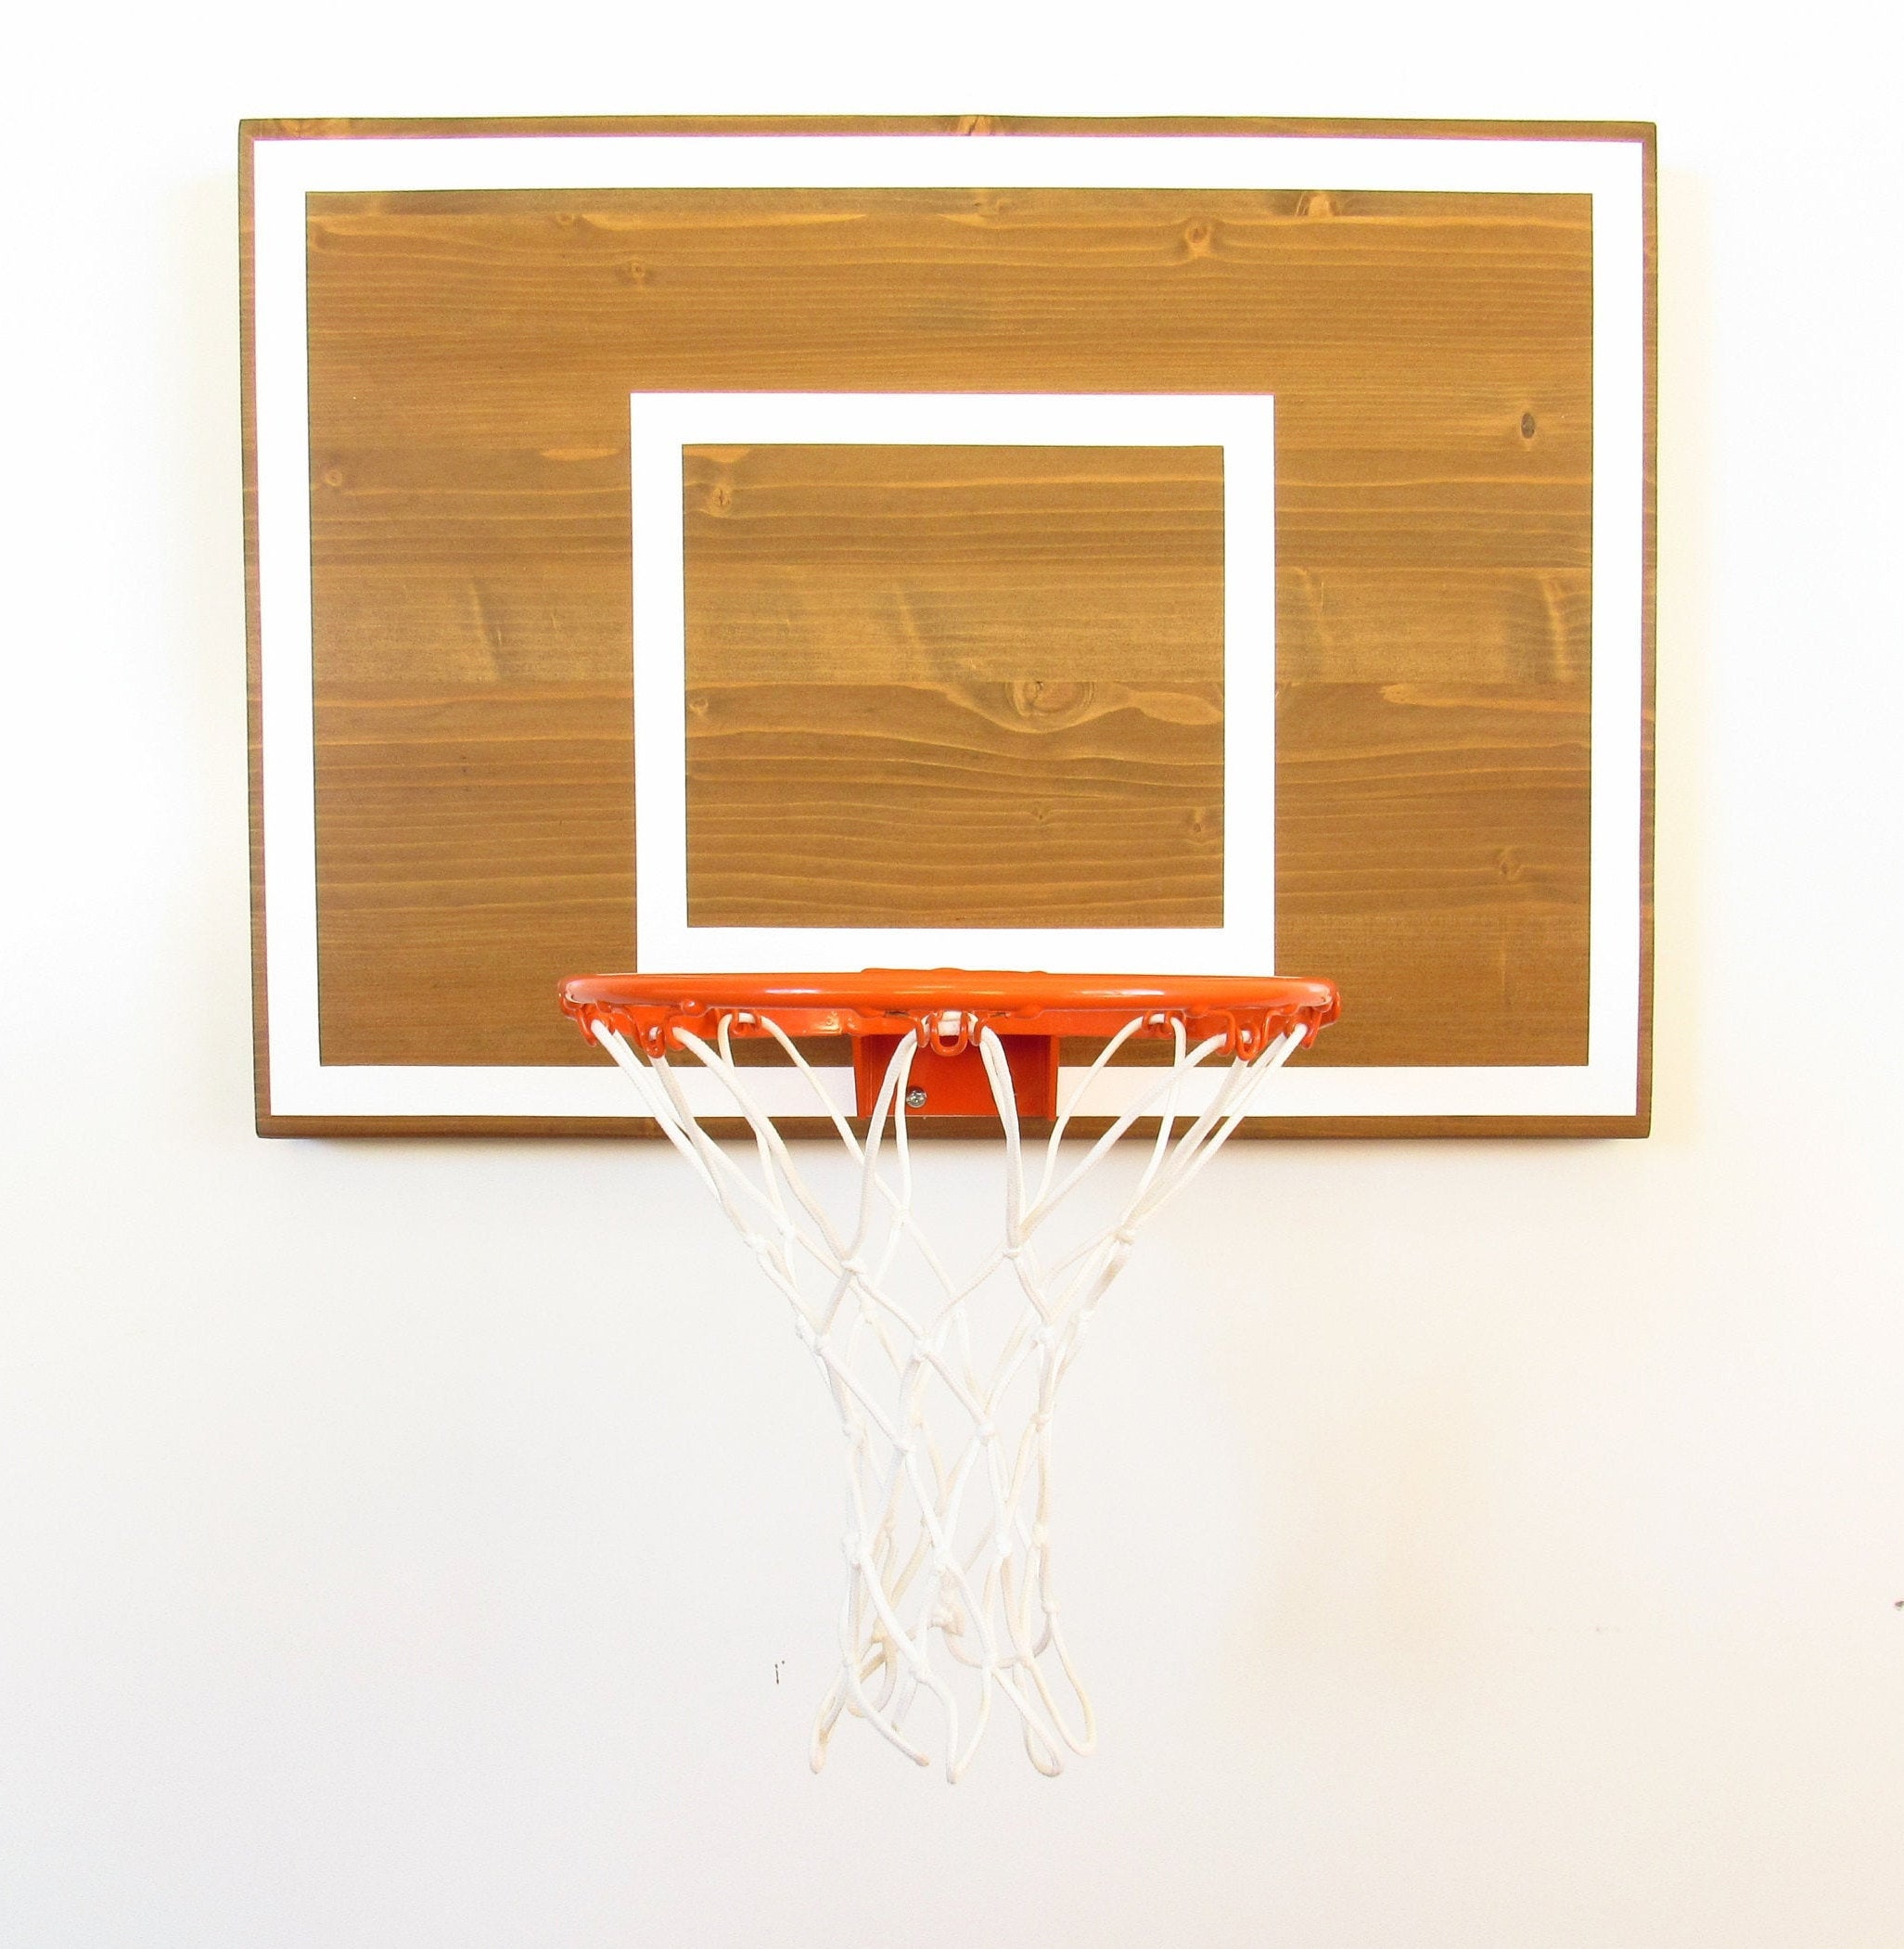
x=950 y=1588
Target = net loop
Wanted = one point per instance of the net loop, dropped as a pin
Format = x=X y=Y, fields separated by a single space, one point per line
x=946 y=1032
x=945 y=1381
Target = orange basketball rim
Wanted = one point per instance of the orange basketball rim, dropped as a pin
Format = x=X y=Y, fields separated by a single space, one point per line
x=946 y=1008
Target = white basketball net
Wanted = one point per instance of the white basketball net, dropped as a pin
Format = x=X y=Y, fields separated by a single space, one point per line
x=945 y=1380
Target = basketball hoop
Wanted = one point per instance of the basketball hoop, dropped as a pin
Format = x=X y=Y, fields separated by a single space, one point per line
x=945 y=1379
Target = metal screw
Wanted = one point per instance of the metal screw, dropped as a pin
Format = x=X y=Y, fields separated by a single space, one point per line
x=915 y=1098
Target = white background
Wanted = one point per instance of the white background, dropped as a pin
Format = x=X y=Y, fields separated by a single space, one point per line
x=1471 y=1544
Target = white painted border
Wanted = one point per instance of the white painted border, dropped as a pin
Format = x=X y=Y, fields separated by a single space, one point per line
x=1243 y=426
x=286 y=171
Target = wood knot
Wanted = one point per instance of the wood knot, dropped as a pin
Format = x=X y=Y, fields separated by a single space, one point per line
x=1528 y=426
x=719 y=499
x=634 y=271
x=1039 y=697
x=333 y=477
x=564 y=219
x=1197 y=239
x=1315 y=203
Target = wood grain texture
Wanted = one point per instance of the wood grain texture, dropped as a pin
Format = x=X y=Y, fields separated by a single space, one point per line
x=955 y=687
x=1440 y=831
x=1642 y=1122
x=254 y=632
x=345 y=128
x=473 y=549
x=471 y=357
x=475 y=851
x=948 y=1130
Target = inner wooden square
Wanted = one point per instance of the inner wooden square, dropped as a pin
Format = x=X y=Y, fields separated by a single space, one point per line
x=955 y=687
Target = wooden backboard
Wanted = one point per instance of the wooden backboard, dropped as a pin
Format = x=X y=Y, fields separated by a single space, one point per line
x=1144 y=548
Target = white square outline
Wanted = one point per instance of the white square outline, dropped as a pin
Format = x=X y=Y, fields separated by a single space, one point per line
x=285 y=169
x=1243 y=426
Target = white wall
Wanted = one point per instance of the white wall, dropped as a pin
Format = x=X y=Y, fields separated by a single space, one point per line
x=1474 y=1545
